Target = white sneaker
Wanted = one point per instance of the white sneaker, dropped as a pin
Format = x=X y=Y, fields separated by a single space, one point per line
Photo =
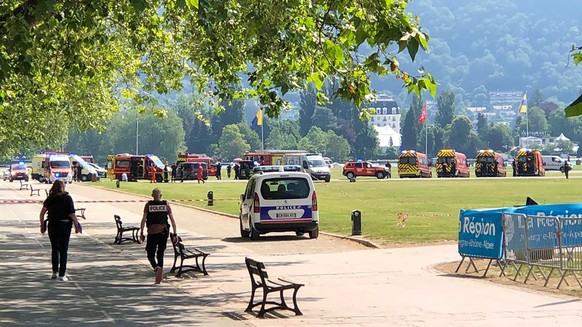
x=54 y=275
x=63 y=279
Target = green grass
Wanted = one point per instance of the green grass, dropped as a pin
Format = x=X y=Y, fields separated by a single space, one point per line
x=432 y=204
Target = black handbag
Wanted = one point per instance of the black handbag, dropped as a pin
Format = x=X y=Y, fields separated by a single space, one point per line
x=44 y=226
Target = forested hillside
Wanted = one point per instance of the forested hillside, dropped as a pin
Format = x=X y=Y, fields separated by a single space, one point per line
x=498 y=45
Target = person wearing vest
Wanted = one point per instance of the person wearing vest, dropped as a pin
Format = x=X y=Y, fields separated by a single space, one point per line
x=61 y=218
x=155 y=216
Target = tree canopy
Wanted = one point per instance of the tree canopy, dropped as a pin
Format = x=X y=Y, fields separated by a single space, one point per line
x=71 y=63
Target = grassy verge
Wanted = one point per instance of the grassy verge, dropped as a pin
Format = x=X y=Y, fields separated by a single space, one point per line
x=432 y=204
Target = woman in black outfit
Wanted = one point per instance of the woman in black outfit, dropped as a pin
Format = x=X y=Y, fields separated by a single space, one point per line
x=61 y=217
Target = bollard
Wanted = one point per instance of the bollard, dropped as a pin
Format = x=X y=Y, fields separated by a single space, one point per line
x=117 y=183
x=210 y=196
x=356 y=222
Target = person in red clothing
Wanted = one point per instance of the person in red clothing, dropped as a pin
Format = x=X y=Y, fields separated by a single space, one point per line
x=200 y=174
x=153 y=173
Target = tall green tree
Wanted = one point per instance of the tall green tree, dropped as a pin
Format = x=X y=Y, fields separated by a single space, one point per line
x=307 y=106
x=460 y=131
x=482 y=125
x=232 y=143
x=536 y=123
x=336 y=148
x=250 y=136
x=445 y=109
x=70 y=61
x=366 y=145
x=499 y=138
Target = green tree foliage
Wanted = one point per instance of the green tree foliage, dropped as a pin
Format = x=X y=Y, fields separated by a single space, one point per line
x=536 y=122
x=250 y=136
x=325 y=119
x=194 y=118
x=307 y=106
x=336 y=148
x=314 y=141
x=366 y=145
x=282 y=135
x=482 y=125
x=232 y=143
x=163 y=137
x=461 y=129
x=499 y=137
x=70 y=61
x=445 y=109
x=409 y=131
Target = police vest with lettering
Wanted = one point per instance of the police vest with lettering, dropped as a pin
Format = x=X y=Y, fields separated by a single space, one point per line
x=157 y=213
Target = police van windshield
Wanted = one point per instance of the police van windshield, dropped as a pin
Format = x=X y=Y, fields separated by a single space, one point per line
x=285 y=188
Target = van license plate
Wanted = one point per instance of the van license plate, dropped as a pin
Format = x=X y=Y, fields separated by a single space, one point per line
x=286 y=215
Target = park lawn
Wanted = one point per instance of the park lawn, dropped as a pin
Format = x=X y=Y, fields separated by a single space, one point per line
x=432 y=204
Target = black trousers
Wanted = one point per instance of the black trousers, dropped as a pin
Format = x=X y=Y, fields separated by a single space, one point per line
x=59 y=234
x=155 y=247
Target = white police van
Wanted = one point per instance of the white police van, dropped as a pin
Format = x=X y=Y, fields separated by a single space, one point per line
x=279 y=202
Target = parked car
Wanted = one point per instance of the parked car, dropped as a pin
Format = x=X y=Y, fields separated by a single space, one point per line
x=364 y=168
x=5 y=173
x=101 y=172
x=18 y=172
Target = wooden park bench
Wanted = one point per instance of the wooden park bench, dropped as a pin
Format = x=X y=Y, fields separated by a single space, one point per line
x=120 y=230
x=80 y=213
x=37 y=190
x=24 y=185
x=182 y=253
x=260 y=279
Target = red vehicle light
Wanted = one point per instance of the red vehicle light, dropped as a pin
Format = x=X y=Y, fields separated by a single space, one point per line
x=314 y=201
x=256 y=204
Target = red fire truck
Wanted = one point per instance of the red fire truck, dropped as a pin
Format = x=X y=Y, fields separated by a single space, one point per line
x=189 y=157
x=134 y=166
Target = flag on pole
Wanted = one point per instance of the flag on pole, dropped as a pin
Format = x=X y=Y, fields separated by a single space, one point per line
x=523 y=104
x=422 y=117
x=258 y=120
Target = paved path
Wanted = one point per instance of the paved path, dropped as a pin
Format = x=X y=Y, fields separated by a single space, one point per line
x=346 y=285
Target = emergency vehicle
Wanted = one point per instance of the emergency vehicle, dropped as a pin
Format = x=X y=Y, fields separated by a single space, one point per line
x=47 y=167
x=413 y=164
x=451 y=163
x=311 y=163
x=489 y=164
x=88 y=172
x=364 y=168
x=529 y=163
x=135 y=166
x=189 y=157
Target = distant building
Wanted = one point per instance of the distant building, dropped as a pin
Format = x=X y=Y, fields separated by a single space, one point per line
x=386 y=121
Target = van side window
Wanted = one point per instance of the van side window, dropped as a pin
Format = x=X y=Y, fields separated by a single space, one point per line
x=250 y=189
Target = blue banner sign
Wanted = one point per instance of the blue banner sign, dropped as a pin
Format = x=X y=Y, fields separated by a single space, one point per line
x=480 y=233
x=571 y=228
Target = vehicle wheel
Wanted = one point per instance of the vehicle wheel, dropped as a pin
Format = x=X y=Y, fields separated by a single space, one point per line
x=380 y=175
x=243 y=233
x=159 y=178
x=11 y=180
x=253 y=233
x=327 y=179
x=299 y=233
x=350 y=175
x=314 y=233
x=84 y=178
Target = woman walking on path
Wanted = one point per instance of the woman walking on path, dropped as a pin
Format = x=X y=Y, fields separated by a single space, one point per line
x=61 y=218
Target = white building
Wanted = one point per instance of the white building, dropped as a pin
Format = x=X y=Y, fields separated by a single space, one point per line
x=386 y=121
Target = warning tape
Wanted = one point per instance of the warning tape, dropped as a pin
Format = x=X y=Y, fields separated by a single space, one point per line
x=18 y=201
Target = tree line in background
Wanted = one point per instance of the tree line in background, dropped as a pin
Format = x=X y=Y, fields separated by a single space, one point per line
x=333 y=129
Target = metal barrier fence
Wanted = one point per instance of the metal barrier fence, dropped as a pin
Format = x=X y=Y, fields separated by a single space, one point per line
x=547 y=245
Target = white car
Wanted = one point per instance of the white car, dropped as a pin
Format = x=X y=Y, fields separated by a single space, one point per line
x=101 y=172
x=279 y=202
